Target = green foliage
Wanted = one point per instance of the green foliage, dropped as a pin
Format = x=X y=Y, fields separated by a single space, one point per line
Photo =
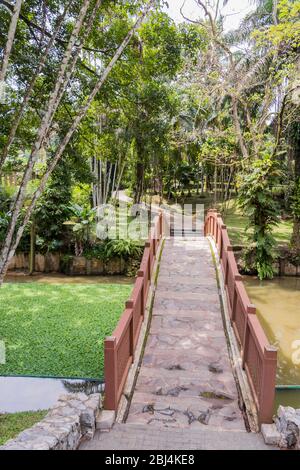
x=5 y=201
x=11 y=424
x=122 y=248
x=53 y=209
x=82 y=223
x=295 y=206
x=237 y=224
x=58 y=329
x=95 y=251
x=287 y=29
x=257 y=191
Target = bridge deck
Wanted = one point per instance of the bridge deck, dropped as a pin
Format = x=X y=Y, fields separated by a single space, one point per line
x=186 y=378
x=185 y=384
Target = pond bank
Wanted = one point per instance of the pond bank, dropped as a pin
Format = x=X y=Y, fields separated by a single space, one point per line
x=57 y=278
x=33 y=393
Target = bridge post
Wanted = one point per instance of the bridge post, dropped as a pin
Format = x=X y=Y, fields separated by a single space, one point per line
x=267 y=392
x=250 y=310
x=237 y=278
x=111 y=373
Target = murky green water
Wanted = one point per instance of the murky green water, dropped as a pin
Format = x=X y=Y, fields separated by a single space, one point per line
x=278 y=308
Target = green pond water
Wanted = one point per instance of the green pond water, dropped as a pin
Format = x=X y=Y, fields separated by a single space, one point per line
x=278 y=308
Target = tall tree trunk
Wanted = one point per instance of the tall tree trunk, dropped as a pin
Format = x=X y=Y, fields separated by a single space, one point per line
x=32 y=249
x=237 y=126
x=139 y=189
x=44 y=126
x=10 y=245
x=28 y=92
x=10 y=40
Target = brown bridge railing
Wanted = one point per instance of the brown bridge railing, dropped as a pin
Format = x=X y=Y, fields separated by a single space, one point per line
x=120 y=347
x=259 y=358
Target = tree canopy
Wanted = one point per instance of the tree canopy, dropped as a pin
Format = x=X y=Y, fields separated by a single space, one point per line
x=98 y=96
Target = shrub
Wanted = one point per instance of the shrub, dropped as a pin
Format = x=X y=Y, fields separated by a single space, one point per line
x=257 y=191
x=122 y=248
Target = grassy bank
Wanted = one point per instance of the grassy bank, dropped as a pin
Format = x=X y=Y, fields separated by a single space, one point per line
x=236 y=223
x=58 y=329
x=12 y=424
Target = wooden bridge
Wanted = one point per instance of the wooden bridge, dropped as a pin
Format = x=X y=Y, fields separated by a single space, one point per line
x=186 y=383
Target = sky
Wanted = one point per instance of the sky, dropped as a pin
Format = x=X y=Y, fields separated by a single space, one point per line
x=235 y=9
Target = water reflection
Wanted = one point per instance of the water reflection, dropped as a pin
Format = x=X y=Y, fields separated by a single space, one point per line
x=31 y=393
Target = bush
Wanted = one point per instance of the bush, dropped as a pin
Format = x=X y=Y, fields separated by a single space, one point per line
x=257 y=191
x=122 y=248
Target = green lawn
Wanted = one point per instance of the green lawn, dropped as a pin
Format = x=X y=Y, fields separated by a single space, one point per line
x=58 y=329
x=236 y=223
x=12 y=424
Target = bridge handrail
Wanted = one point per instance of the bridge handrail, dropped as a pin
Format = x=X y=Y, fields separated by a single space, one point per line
x=119 y=348
x=259 y=358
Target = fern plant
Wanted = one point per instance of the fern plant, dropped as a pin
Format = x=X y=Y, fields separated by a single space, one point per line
x=122 y=248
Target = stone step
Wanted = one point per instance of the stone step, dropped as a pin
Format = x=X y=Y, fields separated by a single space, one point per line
x=128 y=436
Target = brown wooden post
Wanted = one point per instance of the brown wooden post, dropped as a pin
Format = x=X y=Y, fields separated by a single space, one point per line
x=111 y=373
x=140 y=274
x=148 y=245
x=218 y=228
x=160 y=224
x=223 y=227
x=206 y=224
x=229 y=248
x=251 y=310
x=209 y=223
x=214 y=224
x=129 y=304
x=267 y=392
x=237 y=278
x=153 y=244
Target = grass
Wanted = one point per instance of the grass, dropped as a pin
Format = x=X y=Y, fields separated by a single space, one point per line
x=58 y=329
x=12 y=424
x=236 y=223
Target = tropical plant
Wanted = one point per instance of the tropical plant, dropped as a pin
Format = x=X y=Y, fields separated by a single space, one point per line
x=122 y=248
x=258 y=188
x=82 y=222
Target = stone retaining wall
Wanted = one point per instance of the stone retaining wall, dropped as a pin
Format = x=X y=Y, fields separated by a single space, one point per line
x=285 y=431
x=282 y=266
x=72 y=418
x=72 y=265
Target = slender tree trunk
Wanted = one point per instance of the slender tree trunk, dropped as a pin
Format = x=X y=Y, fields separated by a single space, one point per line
x=215 y=184
x=32 y=249
x=227 y=190
x=10 y=40
x=29 y=90
x=139 y=182
x=46 y=121
x=237 y=126
x=9 y=247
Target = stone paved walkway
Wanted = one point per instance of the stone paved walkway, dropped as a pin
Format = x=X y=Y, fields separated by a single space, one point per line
x=186 y=379
x=140 y=437
x=185 y=396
